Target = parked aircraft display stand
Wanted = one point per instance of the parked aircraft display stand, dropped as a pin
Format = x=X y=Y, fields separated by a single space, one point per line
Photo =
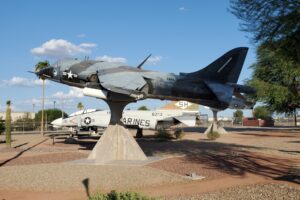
x=215 y=125
x=116 y=143
x=213 y=86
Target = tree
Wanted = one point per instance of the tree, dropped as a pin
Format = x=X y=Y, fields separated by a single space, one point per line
x=52 y=114
x=274 y=79
x=262 y=112
x=8 y=124
x=80 y=106
x=238 y=115
x=275 y=27
x=41 y=65
x=2 y=127
x=270 y=21
x=143 y=108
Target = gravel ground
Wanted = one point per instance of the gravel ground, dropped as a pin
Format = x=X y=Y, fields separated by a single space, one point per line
x=39 y=165
x=44 y=158
x=184 y=166
x=63 y=177
x=253 y=192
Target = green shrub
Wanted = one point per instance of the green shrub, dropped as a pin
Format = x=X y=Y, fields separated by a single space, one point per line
x=113 y=195
x=2 y=127
x=179 y=134
x=163 y=134
x=213 y=135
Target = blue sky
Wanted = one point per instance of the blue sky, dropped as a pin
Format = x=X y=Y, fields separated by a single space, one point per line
x=183 y=36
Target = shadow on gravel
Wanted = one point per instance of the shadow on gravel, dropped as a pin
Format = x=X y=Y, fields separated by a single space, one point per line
x=86 y=145
x=293 y=141
x=293 y=152
x=20 y=145
x=21 y=152
x=226 y=158
x=247 y=129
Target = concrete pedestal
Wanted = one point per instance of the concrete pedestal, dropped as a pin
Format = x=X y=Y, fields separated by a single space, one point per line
x=215 y=127
x=116 y=143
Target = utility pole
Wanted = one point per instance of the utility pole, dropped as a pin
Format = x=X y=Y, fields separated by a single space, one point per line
x=62 y=108
x=33 y=105
x=43 y=100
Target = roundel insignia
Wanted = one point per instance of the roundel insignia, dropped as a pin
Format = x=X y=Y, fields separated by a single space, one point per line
x=87 y=120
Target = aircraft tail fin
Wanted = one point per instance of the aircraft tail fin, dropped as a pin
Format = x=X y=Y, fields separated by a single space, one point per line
x=226 y=68
x=181 y=105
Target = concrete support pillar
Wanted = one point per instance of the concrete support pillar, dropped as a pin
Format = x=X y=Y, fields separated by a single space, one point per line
x=215 y=126
x=116 y=143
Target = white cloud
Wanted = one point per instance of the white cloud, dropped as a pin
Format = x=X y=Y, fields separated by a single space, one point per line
x=87 y=45
x=154 y=60
x=73 y=93
x=59 y=48
x=81 y=35
x=23 y=82
x=111 y=59
x=183 y=8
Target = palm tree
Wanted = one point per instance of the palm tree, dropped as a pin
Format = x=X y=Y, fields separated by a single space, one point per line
x=41 y=65
x=80 y=106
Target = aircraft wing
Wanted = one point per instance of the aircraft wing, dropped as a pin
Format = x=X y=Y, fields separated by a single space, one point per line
x=124 y=83
x=189 y=120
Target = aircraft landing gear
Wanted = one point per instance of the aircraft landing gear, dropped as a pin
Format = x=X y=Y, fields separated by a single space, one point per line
x=139 y=133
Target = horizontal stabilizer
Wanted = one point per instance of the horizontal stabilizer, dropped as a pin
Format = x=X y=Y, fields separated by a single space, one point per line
x=222 y=92
x=188 y=120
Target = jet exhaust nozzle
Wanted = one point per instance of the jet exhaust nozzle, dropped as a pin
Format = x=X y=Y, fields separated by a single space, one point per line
x=243 y=88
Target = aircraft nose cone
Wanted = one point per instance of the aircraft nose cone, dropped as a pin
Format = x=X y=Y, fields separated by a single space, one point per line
x=57 y=122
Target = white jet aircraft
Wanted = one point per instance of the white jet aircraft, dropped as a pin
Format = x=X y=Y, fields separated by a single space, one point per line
x=171 y=114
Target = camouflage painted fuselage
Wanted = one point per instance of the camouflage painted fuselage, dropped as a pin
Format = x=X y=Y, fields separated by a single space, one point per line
x=212 y=86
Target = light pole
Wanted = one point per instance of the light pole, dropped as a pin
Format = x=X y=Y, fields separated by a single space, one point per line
x=33 y=105
x=54 y=102
x=43 y=106
x=62 y=108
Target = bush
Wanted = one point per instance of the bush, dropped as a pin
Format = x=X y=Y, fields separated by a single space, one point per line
x=113 y=195
x=2 y=127
x=179 y=134
x=213 y=135
x=262 y=112
x=163 y=134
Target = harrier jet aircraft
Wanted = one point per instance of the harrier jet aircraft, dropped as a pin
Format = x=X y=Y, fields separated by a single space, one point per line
x=118 y=84
x=171 y=114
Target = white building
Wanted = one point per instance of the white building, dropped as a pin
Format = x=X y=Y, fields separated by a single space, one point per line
x=17 y=115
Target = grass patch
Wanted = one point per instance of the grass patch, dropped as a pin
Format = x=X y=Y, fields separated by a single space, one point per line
x=213 y=135
x=179 y=134
x=114 y=195
x=163 y=134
